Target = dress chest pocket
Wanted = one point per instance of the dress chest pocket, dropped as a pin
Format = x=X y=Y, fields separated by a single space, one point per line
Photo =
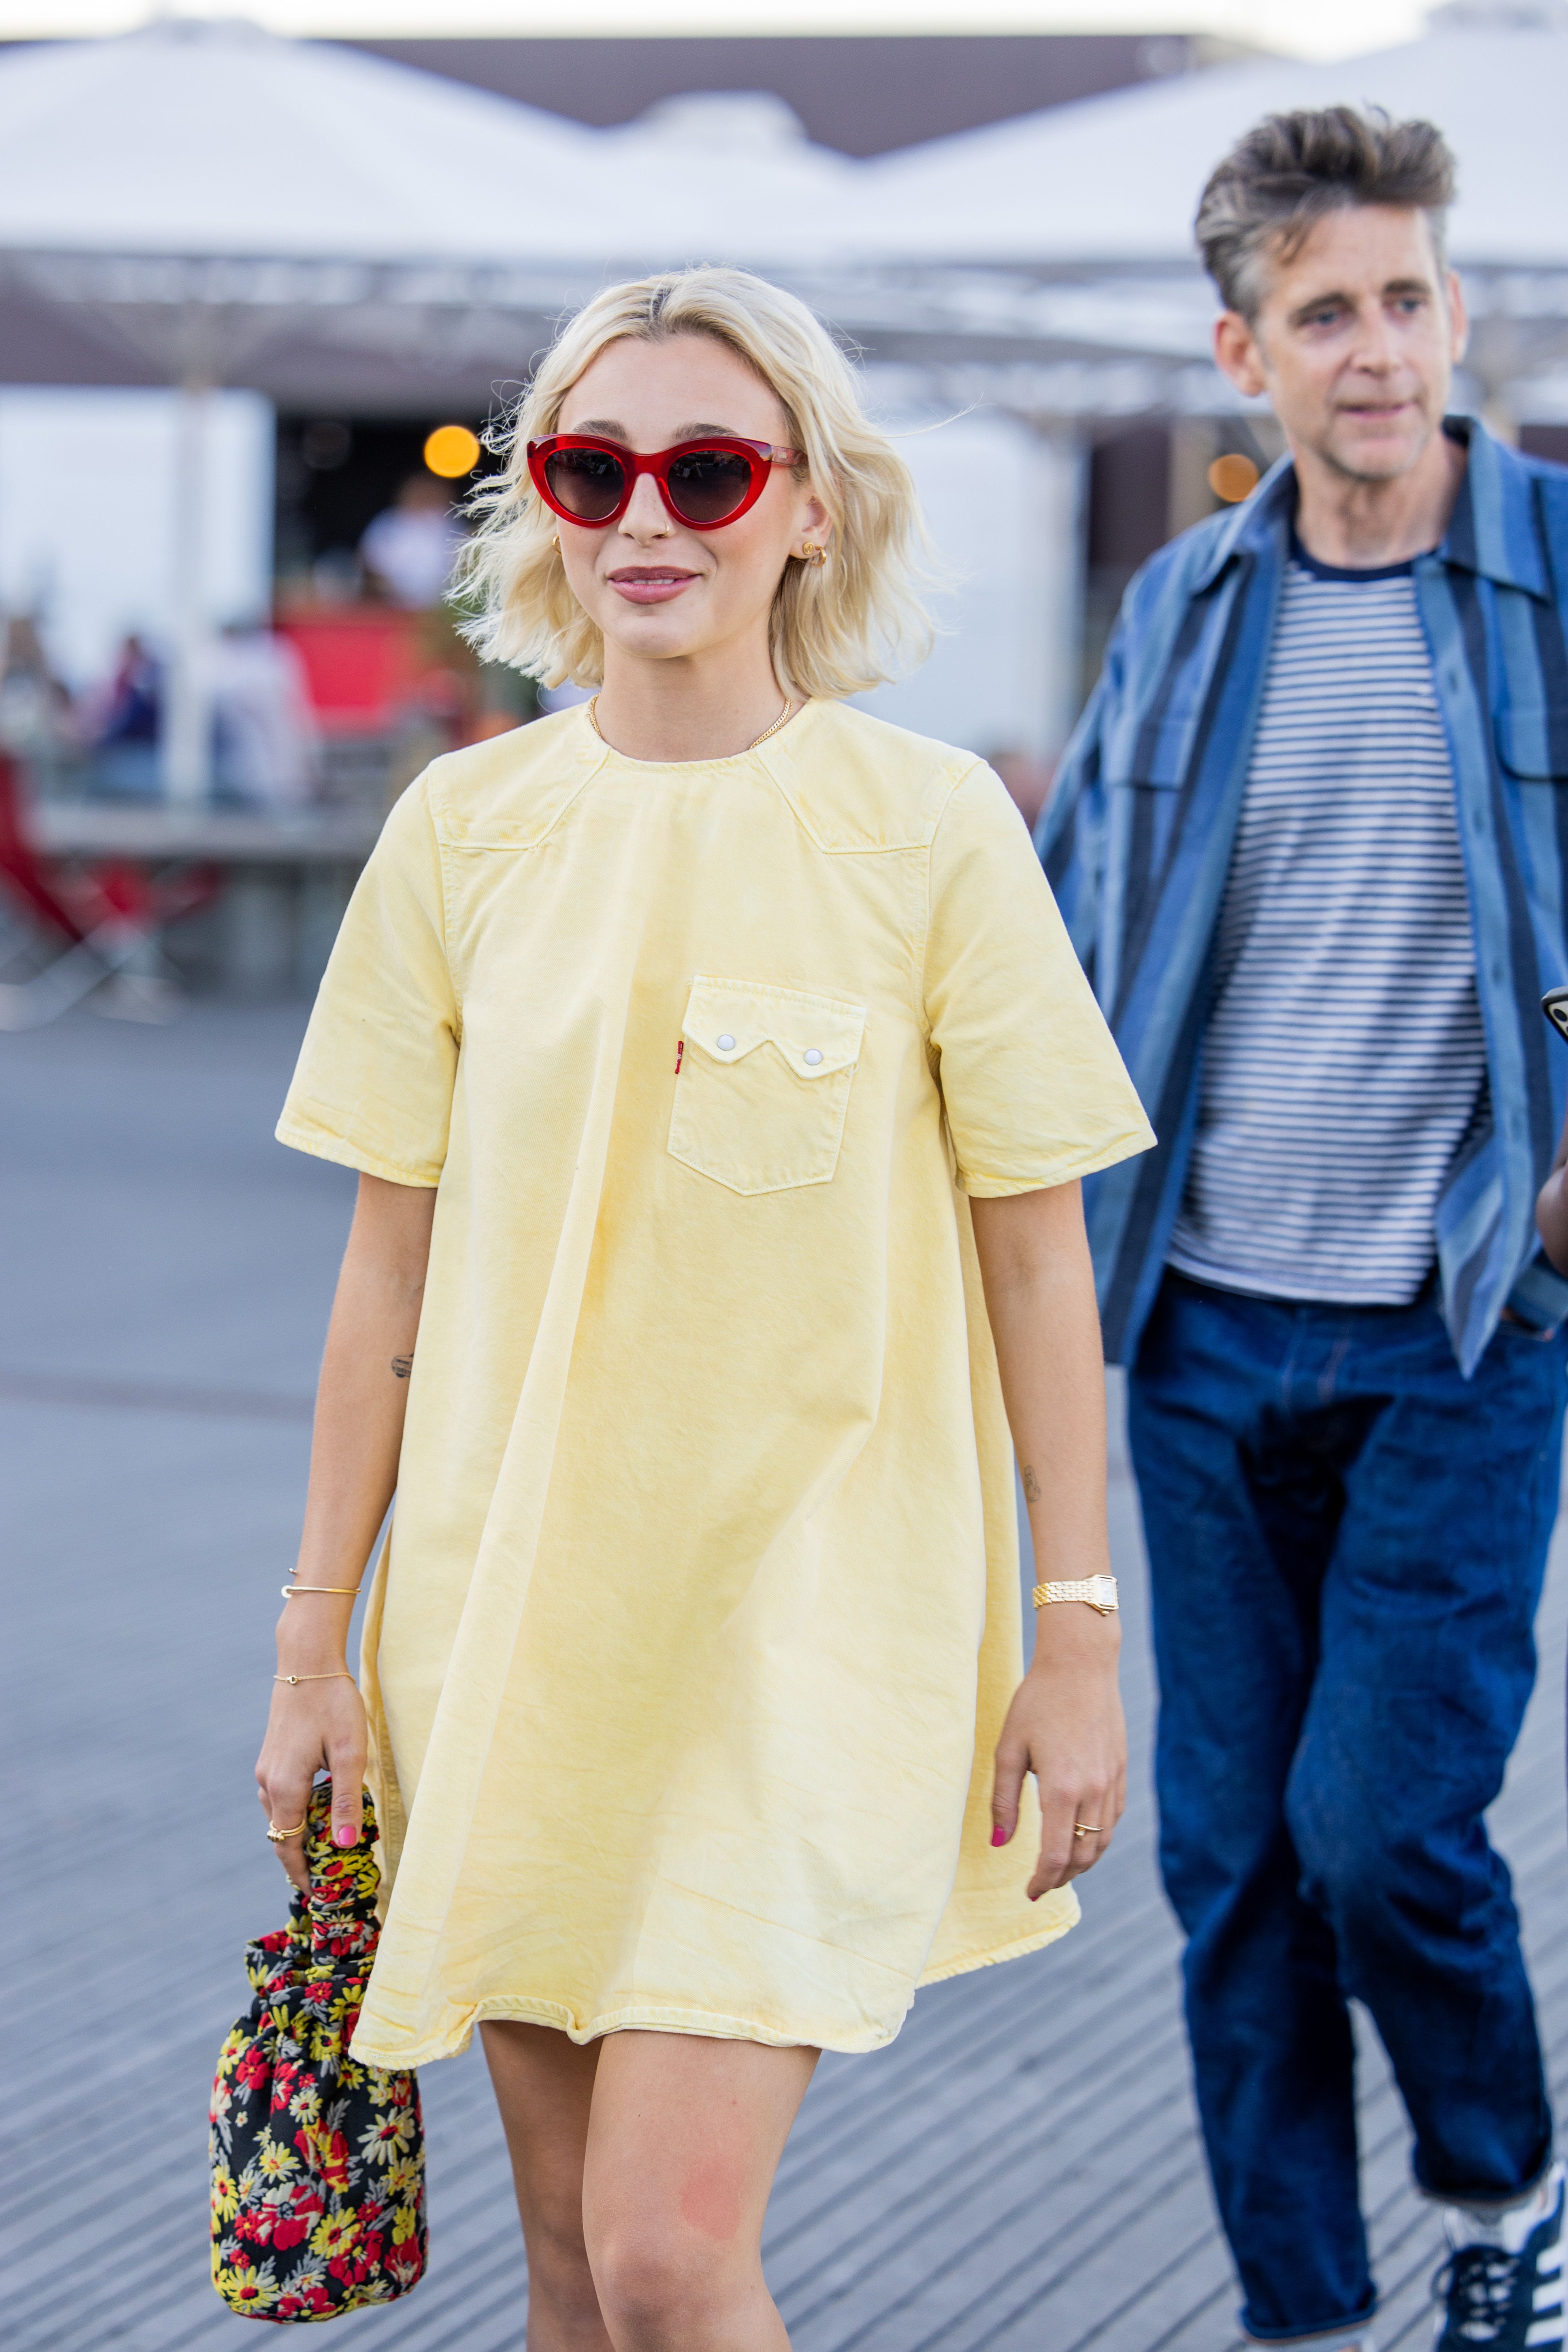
x=763 y=1084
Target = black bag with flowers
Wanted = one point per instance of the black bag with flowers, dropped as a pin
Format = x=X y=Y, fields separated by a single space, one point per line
x=318 y=2163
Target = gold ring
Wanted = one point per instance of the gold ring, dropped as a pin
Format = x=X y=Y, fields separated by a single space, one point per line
x=1087 y=1829
x=275 y=1836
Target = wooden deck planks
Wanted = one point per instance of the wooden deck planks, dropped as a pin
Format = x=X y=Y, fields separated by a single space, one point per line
x=1018 y=2172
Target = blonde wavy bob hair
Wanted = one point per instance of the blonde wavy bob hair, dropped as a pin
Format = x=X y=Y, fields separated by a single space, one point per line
x=837 y=628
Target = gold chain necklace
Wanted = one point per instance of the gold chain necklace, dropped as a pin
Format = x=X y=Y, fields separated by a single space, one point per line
x=786 y=713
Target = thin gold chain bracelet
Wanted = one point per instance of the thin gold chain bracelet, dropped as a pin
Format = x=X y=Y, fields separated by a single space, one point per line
x=340 y=1676
x=289 y=1590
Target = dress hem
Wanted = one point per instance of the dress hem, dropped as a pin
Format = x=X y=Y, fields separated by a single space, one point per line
x=967 y=1962
x=520 y=2008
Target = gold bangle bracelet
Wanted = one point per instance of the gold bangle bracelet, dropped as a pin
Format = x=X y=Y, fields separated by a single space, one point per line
x=289 y=1590
x=341 y=1674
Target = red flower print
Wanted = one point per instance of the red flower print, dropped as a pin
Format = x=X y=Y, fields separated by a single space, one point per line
x=252 y=2070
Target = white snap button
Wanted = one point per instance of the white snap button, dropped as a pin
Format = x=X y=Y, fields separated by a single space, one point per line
x=812 y=1056
x=726 y=1044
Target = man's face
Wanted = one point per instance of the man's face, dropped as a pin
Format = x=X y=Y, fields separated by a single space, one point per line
x=1355 y=342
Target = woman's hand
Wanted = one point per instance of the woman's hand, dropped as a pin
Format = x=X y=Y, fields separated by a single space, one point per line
x=1066 y=1726
x=312 y=1724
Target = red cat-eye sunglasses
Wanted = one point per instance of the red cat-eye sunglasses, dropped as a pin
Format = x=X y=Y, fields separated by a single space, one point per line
x=705 y=484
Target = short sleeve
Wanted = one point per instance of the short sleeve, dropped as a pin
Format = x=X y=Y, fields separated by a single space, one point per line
x=373 y=1084
x=1034 y=1090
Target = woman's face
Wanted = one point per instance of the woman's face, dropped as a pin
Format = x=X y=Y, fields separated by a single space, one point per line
x=661 y=593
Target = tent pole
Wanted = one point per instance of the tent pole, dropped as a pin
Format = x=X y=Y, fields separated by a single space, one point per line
x=186 y=718
x=1059 y=520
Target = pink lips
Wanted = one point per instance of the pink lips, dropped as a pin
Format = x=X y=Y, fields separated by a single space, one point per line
x=651 y=584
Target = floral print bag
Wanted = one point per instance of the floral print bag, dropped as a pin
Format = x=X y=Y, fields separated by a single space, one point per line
x=318 y=2163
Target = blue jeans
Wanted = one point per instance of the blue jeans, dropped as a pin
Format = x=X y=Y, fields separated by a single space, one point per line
x=1346 y=1544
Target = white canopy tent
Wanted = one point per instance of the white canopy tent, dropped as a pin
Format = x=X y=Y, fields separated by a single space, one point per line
x=1075 y=225
x=206 y=199
x=201 y=203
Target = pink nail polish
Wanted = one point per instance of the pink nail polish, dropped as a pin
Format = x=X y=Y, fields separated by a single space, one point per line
x=344 y=1835
x=998 y=1835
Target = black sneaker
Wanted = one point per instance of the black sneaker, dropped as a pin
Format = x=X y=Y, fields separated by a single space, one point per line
x=1501 y=2287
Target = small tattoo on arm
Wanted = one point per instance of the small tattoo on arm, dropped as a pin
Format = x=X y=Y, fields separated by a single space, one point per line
x=402 y=1366
x=1031 y=1484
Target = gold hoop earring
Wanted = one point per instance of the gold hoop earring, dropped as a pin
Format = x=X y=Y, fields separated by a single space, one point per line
x=814 y=555
x=555 y=540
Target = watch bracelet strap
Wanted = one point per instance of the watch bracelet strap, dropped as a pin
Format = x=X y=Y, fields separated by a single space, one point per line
x=1084 y=1588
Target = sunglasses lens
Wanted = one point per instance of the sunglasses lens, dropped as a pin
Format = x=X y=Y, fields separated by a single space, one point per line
x=589 y=484
x=707 y=485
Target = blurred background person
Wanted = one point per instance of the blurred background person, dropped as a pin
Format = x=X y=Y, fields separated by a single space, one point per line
x=38 y=720
x=126 y=724
x=408 y=550
x=1281 y=842
x=266 y=740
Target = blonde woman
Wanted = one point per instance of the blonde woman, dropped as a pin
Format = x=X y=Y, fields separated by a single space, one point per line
x=715 y=1064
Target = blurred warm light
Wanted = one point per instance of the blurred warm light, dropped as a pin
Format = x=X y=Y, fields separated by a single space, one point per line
x=452 y=451
x=1233 y=478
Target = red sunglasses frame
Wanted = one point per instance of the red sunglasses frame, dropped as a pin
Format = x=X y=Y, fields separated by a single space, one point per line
x=760 y=456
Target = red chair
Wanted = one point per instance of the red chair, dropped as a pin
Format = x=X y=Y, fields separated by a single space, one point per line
x=100 y=919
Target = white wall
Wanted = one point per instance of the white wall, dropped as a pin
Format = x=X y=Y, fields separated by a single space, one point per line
x=86 y=515
x=1004 y=507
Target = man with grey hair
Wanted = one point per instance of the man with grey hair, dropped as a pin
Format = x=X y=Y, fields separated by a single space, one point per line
x=1312 y=837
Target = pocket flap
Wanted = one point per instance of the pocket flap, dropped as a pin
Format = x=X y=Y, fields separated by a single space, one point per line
x=815 y=1034
x=1531 y=744
x=1159 y=752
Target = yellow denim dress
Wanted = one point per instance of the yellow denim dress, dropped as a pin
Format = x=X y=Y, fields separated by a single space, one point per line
x=701 y=1611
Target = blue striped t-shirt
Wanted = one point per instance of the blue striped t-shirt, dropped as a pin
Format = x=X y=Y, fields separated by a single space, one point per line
x=1344 y=1058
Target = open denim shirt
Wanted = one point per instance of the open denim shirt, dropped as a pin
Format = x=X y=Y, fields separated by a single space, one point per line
x=1137 y=837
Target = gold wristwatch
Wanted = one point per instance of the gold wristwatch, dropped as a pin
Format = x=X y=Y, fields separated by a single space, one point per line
x=1100 y=1591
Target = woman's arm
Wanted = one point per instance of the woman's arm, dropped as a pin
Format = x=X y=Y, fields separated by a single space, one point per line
x=354 y=1470
x=1065 y=1723
x=1552 y=1207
